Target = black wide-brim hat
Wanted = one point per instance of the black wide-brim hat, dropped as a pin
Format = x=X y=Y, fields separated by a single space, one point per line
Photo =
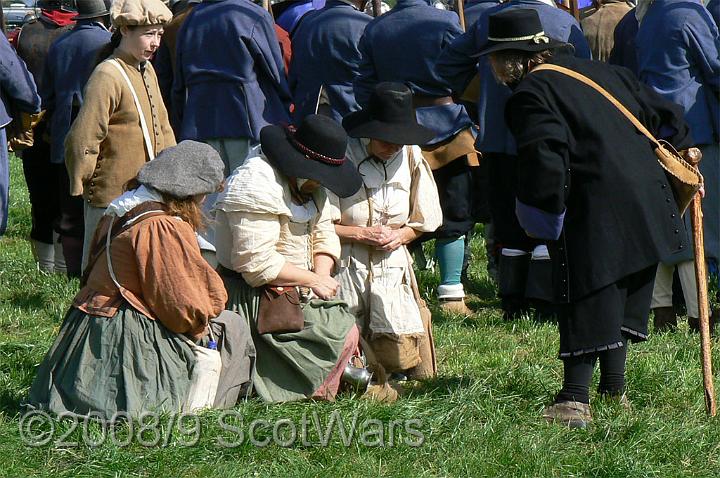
x=89 y=9
x=389 y=117
x=315 y=150
x=517 y=29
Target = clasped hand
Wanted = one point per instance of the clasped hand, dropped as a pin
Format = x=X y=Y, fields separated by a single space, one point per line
x=382 y=237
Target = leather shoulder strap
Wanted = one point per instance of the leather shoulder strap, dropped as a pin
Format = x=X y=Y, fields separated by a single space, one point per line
x=135 y=216
x=584 y=79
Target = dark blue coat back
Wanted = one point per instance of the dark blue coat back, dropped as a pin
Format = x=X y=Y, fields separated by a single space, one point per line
x=70 y=62
x=458 y=67
x=325 y=52
x=229 y=80
x=402 y=46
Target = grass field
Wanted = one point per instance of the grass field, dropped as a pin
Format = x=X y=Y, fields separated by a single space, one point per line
x=479 y=417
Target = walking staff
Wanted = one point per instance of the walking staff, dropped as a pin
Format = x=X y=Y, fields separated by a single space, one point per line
x=694 y=156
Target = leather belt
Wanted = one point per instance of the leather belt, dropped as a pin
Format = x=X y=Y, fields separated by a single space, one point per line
x=420 y=101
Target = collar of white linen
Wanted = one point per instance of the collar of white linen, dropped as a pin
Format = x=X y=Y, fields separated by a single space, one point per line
x=129 y=200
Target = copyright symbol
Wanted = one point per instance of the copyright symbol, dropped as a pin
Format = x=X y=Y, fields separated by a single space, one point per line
x=36 y=428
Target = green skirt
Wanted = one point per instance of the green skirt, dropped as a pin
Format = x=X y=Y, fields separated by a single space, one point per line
x=292 y=366
x=101 y=366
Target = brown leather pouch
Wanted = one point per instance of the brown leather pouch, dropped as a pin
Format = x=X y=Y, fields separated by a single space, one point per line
x=279 y=310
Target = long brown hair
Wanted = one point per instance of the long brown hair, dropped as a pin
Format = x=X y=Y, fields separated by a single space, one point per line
x=188 y=209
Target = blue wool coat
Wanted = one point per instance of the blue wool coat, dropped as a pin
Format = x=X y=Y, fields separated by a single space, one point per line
x=402 y=46
x=677 y=49
x=457 y=67
x=325 y=53
x=623 y=52
x=229 y=77
x=17 y=87
x=70 y=62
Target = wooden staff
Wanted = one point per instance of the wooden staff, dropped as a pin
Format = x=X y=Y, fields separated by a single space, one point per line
x=377 y=8
x=694 y=156
x=267 y=6
x=460 y=10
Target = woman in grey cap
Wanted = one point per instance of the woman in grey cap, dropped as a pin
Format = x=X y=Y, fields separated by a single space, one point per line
x=148 y=299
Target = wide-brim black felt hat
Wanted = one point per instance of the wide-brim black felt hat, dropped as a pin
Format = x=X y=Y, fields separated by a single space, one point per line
x=89 y=9
x=517 y=29
x=389 y=116
x=315 y=150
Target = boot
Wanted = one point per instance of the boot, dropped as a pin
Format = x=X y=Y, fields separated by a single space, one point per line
x=452 y=299
x=44 y=255
x=455 y=307
x=569 y=413
x=59 y=265
x=664 y=319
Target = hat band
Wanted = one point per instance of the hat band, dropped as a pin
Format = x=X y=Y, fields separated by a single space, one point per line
x=309 y=153
x=536 y=38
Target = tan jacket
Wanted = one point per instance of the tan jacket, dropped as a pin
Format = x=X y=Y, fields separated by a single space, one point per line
x=599 y=28
x=159 y=265
x=105 y=147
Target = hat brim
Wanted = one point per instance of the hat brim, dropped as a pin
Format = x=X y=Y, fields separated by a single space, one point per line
x=343 y=180
x=359 y=124
x=524 y=45
x=89 y=16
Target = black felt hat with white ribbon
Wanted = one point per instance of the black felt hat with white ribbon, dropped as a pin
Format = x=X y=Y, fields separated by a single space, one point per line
x=517 y=29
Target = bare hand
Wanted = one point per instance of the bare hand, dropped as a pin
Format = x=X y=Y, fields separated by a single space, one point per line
x=394 y=239
x=374 y=236
x=325 y=286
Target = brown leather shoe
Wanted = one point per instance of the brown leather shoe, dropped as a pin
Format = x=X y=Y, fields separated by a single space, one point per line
x=455 y=306
x=664 y=319
x=569 y=413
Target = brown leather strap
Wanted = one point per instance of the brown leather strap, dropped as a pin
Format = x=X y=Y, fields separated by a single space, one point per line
x=145 y=210
x=602 y=91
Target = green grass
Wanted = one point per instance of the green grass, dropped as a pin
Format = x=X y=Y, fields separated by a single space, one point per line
x=480 y=417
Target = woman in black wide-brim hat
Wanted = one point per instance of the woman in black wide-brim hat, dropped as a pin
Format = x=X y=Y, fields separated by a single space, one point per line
x=273 y=228
x=397 y=203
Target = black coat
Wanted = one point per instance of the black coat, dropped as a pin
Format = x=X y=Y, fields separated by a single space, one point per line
x=582 y=164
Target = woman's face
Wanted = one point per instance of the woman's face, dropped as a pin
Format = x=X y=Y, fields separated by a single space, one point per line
x=384 y=150
x=141 y=42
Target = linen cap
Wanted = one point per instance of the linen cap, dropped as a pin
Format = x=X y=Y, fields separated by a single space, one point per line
x=129 y=13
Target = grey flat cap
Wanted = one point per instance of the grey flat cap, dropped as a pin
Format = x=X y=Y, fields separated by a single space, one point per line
x=187 y=169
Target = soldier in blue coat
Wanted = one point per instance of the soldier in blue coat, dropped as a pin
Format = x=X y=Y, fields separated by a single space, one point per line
x=678 y=56
x=326 y=55
x=17 y=93
x=401 y=46
x=229 y=77
x=71 y=59
x=458 y=64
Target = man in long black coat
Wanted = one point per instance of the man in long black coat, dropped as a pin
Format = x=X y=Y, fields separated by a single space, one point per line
x=590 y=184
